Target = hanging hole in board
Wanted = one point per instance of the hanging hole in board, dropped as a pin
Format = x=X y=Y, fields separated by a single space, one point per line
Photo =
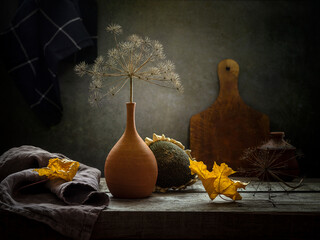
x=228 y=68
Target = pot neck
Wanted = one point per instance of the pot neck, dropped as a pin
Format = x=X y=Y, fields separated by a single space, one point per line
x=131 y=125
x=277 y=137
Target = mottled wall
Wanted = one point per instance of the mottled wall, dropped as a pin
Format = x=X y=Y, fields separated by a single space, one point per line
x=274 y=42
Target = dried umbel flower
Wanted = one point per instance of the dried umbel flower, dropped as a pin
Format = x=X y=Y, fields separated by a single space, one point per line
x=136 y=58
x=269 y=165
x=81 y=68
x=114 y=28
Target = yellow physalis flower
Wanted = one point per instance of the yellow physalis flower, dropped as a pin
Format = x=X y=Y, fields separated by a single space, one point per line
x=217 y=181
x=59 y=168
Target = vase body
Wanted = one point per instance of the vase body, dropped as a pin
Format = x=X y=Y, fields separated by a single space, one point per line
x=280 y=159
x=131 y=168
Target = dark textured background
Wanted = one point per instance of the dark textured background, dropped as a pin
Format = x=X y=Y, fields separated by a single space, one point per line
x=276 y=44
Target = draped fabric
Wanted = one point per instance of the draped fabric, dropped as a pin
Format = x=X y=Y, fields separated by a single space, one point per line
x=41 y=34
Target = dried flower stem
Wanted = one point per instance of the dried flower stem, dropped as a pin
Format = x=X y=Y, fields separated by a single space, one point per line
x=155 y=83
x=145 y=62
x=131 y=90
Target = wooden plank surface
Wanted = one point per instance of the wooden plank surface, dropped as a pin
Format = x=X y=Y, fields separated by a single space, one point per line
x=229 y=126
x=191 y=214
x=308 y=185
x=195 y=202
x=195 y=199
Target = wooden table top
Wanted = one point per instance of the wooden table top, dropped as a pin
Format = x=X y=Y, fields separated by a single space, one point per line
x=190 y=214
x=267 y=209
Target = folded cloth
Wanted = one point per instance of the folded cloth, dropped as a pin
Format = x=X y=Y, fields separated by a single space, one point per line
x=70 y=208
x=41 y=34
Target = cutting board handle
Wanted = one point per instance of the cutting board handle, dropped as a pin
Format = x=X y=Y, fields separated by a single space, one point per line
x=228 y=73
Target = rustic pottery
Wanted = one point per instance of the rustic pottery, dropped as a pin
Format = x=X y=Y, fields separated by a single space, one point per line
x=131 y=168
x=279 y=157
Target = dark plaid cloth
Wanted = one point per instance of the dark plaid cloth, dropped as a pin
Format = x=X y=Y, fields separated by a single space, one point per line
x=42 y=33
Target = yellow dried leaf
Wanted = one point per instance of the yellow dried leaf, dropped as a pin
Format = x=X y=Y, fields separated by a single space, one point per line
x=217 y=181
x=59 y=168
x=200 y=169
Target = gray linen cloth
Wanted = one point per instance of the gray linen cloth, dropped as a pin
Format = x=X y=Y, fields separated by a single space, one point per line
x=70 y=208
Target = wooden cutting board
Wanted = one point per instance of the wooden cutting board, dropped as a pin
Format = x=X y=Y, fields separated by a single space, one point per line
x=223 y=131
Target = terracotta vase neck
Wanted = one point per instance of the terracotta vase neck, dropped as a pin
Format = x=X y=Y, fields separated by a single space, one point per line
x=131 y=125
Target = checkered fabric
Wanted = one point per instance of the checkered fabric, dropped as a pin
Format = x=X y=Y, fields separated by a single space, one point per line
x=42 y=33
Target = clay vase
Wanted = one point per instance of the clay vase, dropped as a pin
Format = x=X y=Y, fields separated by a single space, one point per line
x=131 y=168
x=279 y=159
